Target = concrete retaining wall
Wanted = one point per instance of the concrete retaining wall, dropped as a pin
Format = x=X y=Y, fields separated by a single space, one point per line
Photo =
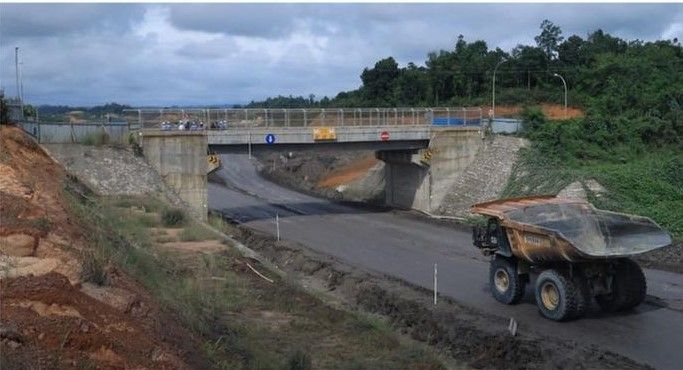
x=180 y=159
x=421 y=179
x=451 y=153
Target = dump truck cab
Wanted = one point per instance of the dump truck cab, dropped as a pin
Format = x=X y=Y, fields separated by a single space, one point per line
x=577 y=251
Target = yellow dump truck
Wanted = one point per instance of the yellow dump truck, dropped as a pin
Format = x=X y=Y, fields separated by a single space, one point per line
x=575 y=251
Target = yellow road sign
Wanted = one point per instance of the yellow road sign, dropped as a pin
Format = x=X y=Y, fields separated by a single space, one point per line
x=324 y=133
x=213 y=159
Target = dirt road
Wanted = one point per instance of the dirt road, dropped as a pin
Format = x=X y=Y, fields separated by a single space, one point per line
x=405 y=246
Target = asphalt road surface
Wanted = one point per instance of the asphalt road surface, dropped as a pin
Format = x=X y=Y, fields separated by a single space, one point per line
x=405 y=246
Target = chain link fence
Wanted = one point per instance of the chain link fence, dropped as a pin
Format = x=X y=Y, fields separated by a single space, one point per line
x=245 y=118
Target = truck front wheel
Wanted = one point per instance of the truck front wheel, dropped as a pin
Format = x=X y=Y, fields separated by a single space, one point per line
x=556 y=295
x=506 y=285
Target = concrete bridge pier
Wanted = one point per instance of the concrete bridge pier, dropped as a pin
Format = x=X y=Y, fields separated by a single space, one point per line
x=420 y=179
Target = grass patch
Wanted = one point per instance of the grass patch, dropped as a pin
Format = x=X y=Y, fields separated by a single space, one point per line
x=173 y=217
x=93 y=268
x=148 y=220
x=147 y=204
x=165 y=239
x=196 y=232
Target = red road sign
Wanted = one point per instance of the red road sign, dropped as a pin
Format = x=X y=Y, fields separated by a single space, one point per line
x=384 y=136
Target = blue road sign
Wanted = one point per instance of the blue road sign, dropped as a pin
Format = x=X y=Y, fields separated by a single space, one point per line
x=270 y=139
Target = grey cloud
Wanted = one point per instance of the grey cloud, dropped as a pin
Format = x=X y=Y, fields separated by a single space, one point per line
x=51 y=20
x=87 y=54
x=259 y=20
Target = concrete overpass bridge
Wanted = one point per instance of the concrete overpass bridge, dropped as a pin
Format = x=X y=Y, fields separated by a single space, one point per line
x=424 y=149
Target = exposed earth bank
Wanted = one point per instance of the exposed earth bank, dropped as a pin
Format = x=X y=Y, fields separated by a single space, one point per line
x=51 y=317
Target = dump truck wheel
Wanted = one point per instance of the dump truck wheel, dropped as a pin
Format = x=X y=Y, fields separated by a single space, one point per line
x=506 y=285
x=556 y=295
x=582 y=294
x=628 y=287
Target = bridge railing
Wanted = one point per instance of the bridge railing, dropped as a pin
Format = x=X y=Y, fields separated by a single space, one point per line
x=253 y=117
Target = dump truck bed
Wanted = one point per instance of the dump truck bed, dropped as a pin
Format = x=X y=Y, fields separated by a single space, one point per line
x=548 y=228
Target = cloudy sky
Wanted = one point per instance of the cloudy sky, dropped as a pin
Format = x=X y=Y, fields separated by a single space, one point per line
x=183 y=54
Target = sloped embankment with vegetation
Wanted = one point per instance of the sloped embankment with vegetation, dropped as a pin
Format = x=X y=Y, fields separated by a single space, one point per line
x=635 y=175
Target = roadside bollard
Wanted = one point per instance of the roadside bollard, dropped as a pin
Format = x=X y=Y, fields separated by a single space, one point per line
x=277 y=225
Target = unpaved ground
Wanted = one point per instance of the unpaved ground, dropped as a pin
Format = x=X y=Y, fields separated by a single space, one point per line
x=321 y=173
x=467 y=335
x=552 y=111
x=50 y=317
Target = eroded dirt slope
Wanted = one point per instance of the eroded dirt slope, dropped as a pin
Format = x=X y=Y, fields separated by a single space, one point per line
x=49 y=317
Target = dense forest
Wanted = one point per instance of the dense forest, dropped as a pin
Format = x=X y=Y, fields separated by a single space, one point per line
x=463 y=76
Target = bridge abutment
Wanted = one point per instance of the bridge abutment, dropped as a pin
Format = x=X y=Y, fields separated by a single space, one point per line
x=420 y=179
x=180 y=160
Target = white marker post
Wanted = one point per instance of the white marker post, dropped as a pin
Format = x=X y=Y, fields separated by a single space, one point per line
x=277 y=225
x=435 y=283
x=512 y=327
x=249 y=144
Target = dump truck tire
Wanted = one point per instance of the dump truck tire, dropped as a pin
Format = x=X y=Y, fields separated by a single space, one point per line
x=628 y=287
x=506 y=285
x=582 y=295
x=556 y=295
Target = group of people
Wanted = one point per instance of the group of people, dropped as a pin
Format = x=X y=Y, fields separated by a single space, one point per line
x=186 y=125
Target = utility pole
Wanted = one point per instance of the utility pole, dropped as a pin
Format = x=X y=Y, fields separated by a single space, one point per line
x=21 y=81
x=493 y=89
x=16 y=67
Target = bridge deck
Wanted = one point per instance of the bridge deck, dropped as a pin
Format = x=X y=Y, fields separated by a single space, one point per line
x=358 y=137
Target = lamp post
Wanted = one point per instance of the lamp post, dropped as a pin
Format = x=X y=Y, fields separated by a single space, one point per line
x=493 y=90
x=565 y=93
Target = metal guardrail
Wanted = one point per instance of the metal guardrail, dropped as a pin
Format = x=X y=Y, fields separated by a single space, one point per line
x=304 y=117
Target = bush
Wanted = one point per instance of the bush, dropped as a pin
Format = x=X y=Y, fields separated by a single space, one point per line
x=532 y=118
x=299 y=360
x=93 y=269
x=173 y=217
x=196 y=233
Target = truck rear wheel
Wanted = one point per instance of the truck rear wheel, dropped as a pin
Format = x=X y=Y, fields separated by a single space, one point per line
x=506 y=285
x=583 y=297
x=628 y=287
x=556 y=295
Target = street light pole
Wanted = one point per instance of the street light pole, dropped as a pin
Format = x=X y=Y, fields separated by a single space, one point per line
x=493 y=90
x=565 y=93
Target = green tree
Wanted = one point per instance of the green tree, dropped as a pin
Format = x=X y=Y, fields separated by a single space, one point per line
x=378 y=82
x=30 y=111
x=549 y=39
